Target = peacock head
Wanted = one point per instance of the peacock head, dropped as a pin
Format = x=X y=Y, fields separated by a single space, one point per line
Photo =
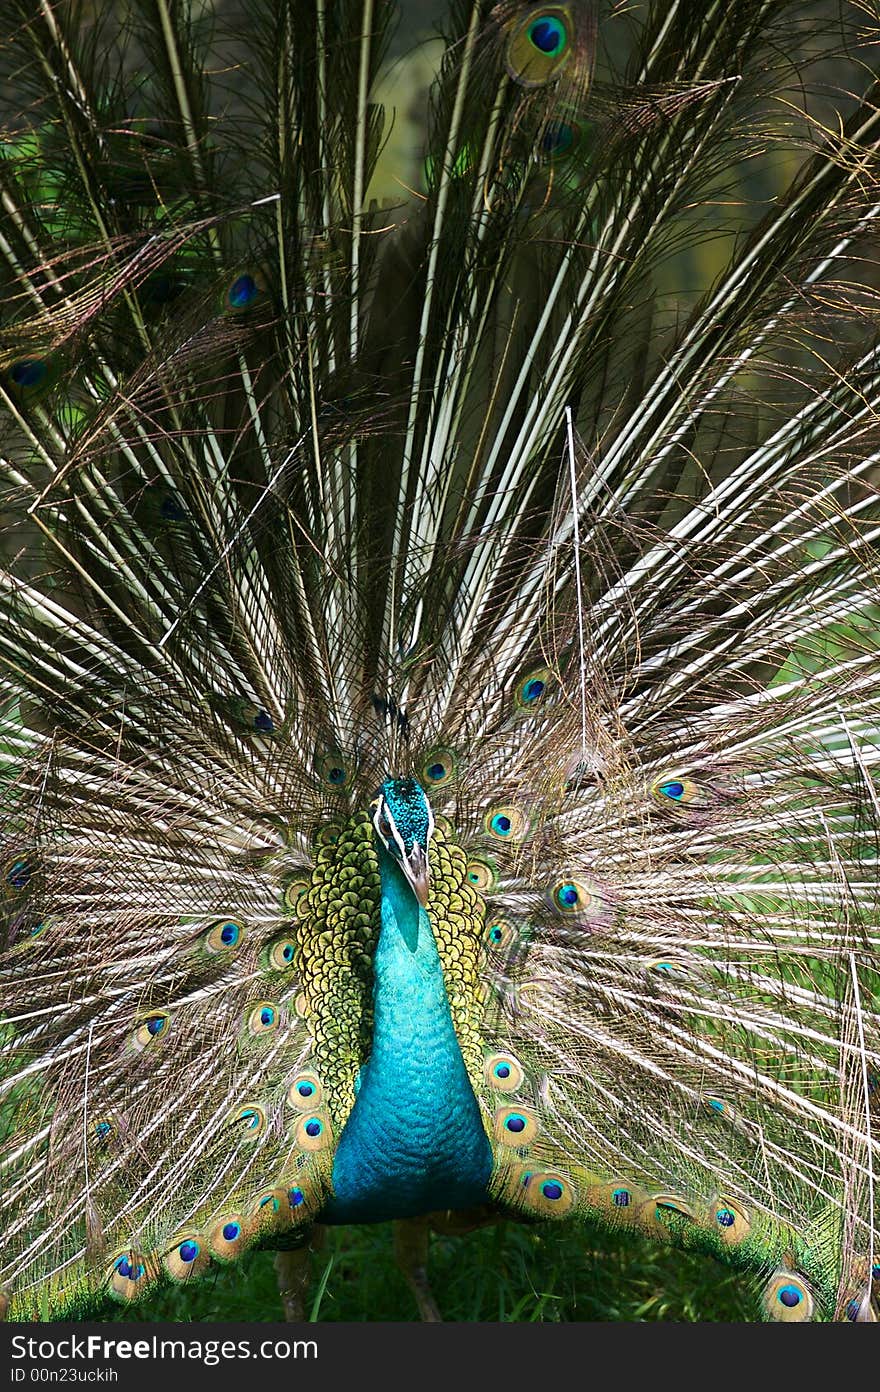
x=404 y=824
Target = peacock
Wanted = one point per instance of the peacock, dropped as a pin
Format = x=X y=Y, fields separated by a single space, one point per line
x=440 y=636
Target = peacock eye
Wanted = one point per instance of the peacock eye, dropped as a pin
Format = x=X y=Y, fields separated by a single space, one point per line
x=17 y=873
x=438 y=768
x=505 y=823
x=787 y=1298
x=312 y=1132
x=571 y=897
x=328 y=834
x=673 y=791
x=539 y=46
x=293 y=892
x=515 y=1126
x=252 y=1120
x=270 y=1212
x=262 y=1018
x=305 y=1093
x=224 y=936
x=503 y=1073
x=499 y=934
x=548 y=34
x=244 y=292
x=532 y=689
x=558 y=138
x=28 y=373
x=481 y=874
x=732 y=1222
x=229 y=1236
x=151 y=1029
x=171 y=510
x=281 y=954
x=333 y=770
x=30 y=377
x=130 y=1274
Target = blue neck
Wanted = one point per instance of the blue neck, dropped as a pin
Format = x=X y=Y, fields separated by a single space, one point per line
x=414 y=1141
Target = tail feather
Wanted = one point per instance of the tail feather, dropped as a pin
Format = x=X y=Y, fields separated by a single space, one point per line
x=304 y=486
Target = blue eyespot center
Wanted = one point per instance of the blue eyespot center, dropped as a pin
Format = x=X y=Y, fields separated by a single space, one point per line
x=552 y=1190
x=264 y=723
x=790 y=1297
x=336 y=775
x=102 y=1130
x=267 y=1015
x=568 y=895
x=557 y=138
x=674 y=790
x=516 y=1124
x=242 y=291
x=128 y=1270
x=171 y=509
x=725 y=1217
x=229 y=934
x=156 y=1024
x=18 y=874
x=620 y=1198
x=436 y=772
x=296 y=1197
x=547 y=34
x=188 y=1251
x=502 y=1070
x=28 y=373
x=533 y=689
x=313 y=1128
x=231 y=1231
x=305 y=1089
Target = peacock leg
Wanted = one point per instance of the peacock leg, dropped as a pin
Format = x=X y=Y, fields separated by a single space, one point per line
x=293 y=1269
x=411 y=1237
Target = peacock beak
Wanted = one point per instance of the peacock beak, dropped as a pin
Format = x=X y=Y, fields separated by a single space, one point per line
x=415 y=867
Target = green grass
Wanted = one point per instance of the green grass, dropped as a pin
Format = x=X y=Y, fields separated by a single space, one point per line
x=504 y=1273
